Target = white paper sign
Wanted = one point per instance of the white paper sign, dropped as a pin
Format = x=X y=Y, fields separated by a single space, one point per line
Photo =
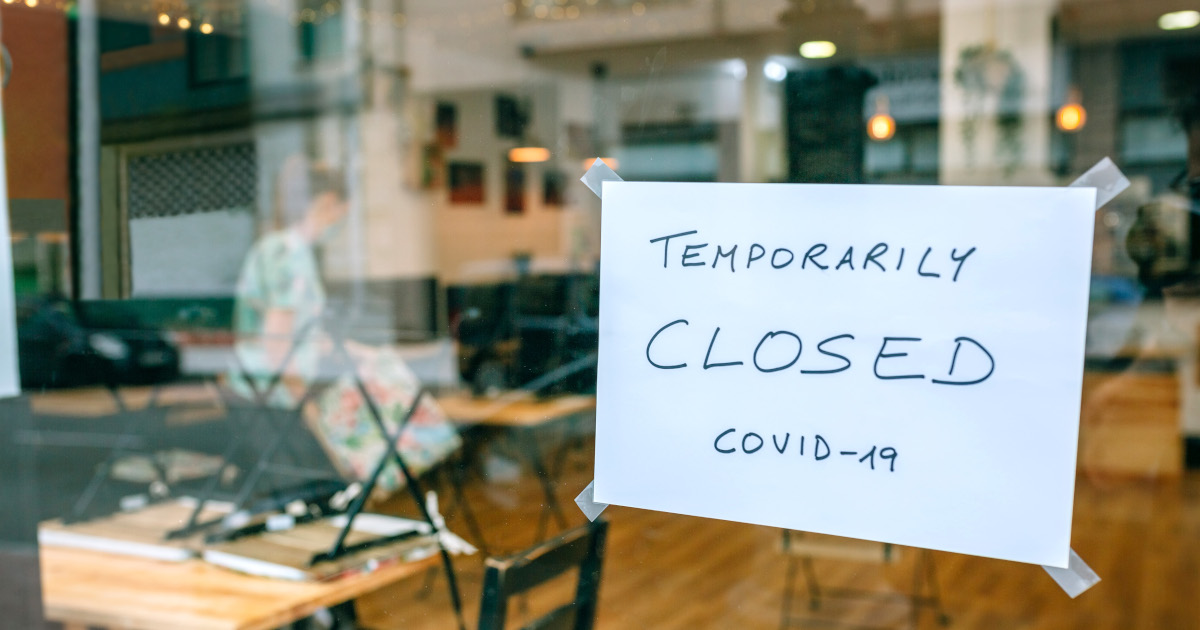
x=892 y=363
x=10 y=376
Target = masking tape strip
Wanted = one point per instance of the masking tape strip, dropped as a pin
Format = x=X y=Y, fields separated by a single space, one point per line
x=587 y=502
x=1107 y=179
x=594 y=179
x=597 y=175
x=1109 y=182
x=1076 y=578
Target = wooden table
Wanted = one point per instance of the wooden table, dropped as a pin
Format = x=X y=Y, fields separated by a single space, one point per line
x=527 y=414
x=85 y=588
x=513 y=411
x=185 y=402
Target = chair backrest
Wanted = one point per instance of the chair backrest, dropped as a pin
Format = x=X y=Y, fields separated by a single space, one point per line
x=582 y=547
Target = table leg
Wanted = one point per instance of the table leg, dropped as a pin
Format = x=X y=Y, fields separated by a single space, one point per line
x=457 y=472
x=551 y=506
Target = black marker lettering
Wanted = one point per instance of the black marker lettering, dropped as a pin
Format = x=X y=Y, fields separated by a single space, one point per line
x=802 y=445
x=822 y=350
x=775 y=439
x=751 y=450
x=667 y=242
x=729 y=254
x=881 y=355
x=877 y=251
x=812 y=255
x=847 y=259
x=708 y=365
x=953 y=256
x=771 y=335
x=901 y=261
x=817 y=449
x=921 y=266
x=716 y=442
x=687 y=255
x=871 y=456
x=775 y=253
x=954 y=359
x=664 y=367
x=762 y=252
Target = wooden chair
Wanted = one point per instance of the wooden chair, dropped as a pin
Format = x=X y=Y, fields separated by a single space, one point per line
x=505 y=578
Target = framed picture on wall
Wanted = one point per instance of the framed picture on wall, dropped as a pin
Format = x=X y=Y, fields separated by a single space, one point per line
x=514 y=188
x=465 y=180
x=510 y=120
x=553 y=184
x=446 y=123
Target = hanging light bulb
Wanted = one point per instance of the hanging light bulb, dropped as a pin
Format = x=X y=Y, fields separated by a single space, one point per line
x=1071 y=117
x=164 y=19
x=528 y=154
x=206 y=28
x=184 y=23
x=881 y=127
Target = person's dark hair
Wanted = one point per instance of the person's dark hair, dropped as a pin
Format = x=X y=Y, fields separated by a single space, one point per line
x=299 y=182
x=323 y=178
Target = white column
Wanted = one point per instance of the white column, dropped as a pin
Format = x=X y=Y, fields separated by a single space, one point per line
x=748 y=123
x=995 y=91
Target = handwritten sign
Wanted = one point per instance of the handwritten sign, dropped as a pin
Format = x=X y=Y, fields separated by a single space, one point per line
x=892 y=363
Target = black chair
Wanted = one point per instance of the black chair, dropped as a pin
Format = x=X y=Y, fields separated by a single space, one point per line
x=505 y=578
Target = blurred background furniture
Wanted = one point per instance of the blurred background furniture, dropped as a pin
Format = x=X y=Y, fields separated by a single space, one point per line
x=802 y=549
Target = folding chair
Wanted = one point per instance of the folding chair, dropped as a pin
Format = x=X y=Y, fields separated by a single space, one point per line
x=137 y=434
x=505 y=578
x=284 y=425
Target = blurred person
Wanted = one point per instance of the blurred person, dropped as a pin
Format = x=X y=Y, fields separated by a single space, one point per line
x=278 y=323
x=1166 y=335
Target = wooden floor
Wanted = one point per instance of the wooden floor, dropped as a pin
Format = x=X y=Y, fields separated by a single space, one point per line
x=1137 y=523
x=668 y=571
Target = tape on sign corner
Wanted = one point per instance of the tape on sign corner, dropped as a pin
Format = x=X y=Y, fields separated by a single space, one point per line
x=599 y=173
x=587 y=501
x=1106 y=178
x=1076 y=578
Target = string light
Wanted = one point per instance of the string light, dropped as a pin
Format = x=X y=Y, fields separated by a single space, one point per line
x=31 y=3
x=775 y=71
x=1178 y=20
x=881 y=127
x=164 y=19
x=184 y=23
x=206 y=28
x=528 y=154
x=819 y=49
